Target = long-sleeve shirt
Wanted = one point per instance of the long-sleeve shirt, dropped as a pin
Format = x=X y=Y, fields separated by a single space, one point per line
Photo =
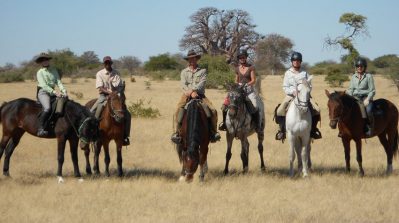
x=108 y=80
x=291 y=80
x=48 y=78
x=362 y=87
x=194 y=80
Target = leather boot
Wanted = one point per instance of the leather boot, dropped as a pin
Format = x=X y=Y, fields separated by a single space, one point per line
x=41 y=131
x=222 y=125
x=315 y=132
x=281 y=132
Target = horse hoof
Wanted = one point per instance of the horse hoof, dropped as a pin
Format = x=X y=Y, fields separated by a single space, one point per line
x=202 y=179
x=6 y=173
x=389 y=170
x=60 y=180
x=305 y=175
x=245 y=170
x=88 y=172
x=361 y=173
x=80 y=180
x=225 y=172
x=263 y=169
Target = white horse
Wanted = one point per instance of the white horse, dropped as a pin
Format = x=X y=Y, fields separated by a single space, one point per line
x=239 y=125
x=298 y=124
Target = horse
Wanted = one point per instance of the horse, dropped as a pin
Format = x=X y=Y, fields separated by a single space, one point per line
x=239 y=125
x=20 y=116
x=344 y=111
x=193 y=150
x=111 y=127
x=298 y=124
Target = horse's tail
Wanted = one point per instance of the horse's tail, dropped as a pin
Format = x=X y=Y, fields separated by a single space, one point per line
x=193 y=128
x=1 y=108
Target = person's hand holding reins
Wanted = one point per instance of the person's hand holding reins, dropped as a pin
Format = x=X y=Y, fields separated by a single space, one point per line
x=188 y=93
x=366 y=102
x=194 y=94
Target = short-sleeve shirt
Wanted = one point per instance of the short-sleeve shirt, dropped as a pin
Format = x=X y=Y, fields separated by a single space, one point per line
x=194 y=80
x=107 y=79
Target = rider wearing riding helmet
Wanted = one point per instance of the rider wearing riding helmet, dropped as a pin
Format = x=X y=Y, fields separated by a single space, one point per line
x=289 y=87
x=47 y=78
x=192 y=81
x=363 y=89
x=245 y=77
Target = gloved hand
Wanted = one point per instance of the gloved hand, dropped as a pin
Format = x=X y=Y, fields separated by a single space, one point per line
x=366 y=102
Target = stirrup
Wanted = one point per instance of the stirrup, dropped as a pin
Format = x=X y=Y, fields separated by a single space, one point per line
x=280 y=135
x=42 y=132
x=222 y=126
x=316 y=134
x=176 y=138
x=215 y=137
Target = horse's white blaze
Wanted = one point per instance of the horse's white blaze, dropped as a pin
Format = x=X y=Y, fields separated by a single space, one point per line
x=298 y=125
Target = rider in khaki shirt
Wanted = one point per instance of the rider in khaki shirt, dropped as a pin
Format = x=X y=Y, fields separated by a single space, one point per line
x=192 y=81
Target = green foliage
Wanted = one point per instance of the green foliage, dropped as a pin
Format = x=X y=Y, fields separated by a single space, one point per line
x=335 y=77
x=386 y=61
x=161 y=62
x=11 y=76
x=138 y=109
x=219 y=72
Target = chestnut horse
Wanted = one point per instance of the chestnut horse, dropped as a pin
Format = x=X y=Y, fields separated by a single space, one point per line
x=195 y=140
x=20 y=116
x=111 y=127
x=344 y=110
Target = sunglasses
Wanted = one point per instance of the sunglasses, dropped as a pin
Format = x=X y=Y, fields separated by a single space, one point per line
x=359 y=66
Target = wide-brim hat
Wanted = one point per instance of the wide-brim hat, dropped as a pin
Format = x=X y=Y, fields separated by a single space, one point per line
x=42 y=57
x=192 y=54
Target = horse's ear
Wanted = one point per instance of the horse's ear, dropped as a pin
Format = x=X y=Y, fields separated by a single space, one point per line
x=327 y=93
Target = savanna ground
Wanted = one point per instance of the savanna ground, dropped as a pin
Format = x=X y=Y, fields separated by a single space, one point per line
x=150 y=192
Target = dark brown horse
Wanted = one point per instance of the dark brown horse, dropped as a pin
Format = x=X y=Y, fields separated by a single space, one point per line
x=20 y=116
x=193 y=150
x=344 y=110
x=111 y=127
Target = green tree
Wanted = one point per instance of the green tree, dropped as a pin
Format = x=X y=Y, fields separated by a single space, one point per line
x=160 y=62
x=355 y=26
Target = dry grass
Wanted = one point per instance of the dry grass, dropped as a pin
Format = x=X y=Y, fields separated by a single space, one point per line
x=150 y=191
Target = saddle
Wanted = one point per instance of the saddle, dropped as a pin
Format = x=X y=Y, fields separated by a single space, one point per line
x=57 y=111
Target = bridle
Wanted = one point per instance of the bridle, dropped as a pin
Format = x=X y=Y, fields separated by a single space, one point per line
x=114 y=112
x=298 y=102
x=241 y=105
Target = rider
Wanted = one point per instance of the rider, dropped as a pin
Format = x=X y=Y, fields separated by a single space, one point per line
x=47 y=78
x=192 y=81
x=245 y=75
x=289 y=87
x=362 y=88
x=108 y=79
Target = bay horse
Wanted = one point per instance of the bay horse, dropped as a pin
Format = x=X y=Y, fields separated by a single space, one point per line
x=298 y=124
x=344 y=111
x=111 y=127
x=193 y=150
x=239 y=125
x=20 y=116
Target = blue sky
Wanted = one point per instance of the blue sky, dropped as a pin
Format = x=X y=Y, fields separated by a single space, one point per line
x=147 y=28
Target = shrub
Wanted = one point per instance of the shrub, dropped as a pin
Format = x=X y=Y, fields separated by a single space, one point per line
x=335 y=78
x=11 y=76
x=161 y=62
x=78 y=95
x=139 y=110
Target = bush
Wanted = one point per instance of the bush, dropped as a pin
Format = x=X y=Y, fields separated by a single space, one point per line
x=11 y=76
x=139 y=110
x=335 y=78
x=161 y=75
x=219 y=72
x=79 y=95
x=161 y=62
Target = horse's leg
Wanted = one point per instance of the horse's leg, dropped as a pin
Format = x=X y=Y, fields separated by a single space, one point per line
x=359 y=156
x=229 y=139
x=305 y=156
x=73 y=146
x=60 y=156
x=87 y=156
x=347 y=150
x=291 y=153
x=97 y=150
x=309 y=159
x=183 y=172
x=244 y=154
x=203 y=163
x=9 y=150
x=260 y=149
x=3 y=144
x=107 y=158
x=119 y=158
x=298 y=151
x=388 y=150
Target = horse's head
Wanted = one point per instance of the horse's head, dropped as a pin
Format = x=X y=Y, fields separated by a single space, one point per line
x=302 y=98
x=88 y=131
x=236 y=98
x=116 y=101
x=335 y=107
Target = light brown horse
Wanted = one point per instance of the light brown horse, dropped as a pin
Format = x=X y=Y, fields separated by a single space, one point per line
x=344 y=111
x=193 y=150
x=111 y=127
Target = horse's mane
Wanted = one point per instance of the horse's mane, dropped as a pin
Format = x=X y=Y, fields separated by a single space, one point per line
x=81 y=110
x=346 y=99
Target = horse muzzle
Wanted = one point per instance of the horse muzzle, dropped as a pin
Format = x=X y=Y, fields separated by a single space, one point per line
x=333 y=123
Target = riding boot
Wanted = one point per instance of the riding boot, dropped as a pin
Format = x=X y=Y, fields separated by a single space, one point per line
x=281 y=132
x=315 y=132
x=222 y=125
x=214 y=135
x=176 y=138
x=42 y=123
x=126 y=130
x=370 y=126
